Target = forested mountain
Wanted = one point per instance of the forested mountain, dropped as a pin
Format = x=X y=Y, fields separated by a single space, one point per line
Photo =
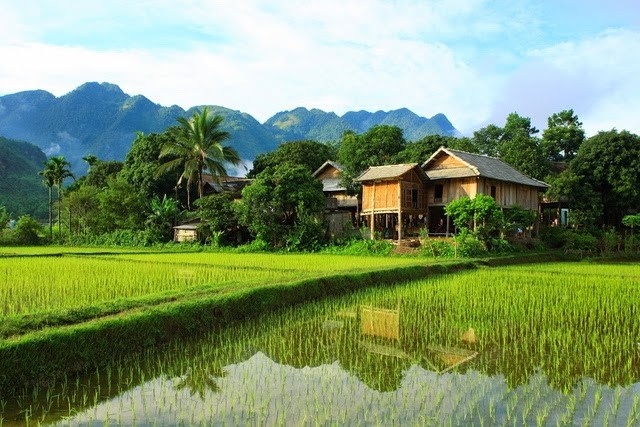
x=321 y=126
x=100 y=119
x=21 y=188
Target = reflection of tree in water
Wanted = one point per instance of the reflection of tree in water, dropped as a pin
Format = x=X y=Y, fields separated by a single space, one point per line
x=200 y=380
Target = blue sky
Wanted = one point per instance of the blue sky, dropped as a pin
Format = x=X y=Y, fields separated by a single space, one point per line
x=475 y=61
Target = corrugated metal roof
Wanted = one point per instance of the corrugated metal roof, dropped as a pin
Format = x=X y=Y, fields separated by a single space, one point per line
x=385 y=172
x=332 y=184
x=485 y=166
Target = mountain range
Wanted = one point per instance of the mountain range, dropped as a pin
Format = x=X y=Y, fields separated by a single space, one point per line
x=100 y=119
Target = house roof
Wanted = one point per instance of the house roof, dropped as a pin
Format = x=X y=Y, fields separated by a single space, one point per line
x=389 y=172
x=331 y=163
x=478 y=165
x=332 y=184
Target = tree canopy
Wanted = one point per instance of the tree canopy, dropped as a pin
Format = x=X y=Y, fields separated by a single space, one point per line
x=310 y=154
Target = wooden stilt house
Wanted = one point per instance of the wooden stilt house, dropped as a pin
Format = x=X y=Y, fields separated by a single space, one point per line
x=453 y=174
x=394 y=201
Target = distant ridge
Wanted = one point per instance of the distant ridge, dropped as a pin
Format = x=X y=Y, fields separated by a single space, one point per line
x=100 y=119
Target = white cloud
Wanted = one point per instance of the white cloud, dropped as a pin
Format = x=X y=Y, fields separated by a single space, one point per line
x=262 y=57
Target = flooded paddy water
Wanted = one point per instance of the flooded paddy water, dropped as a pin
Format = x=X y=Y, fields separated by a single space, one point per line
x=555 y=344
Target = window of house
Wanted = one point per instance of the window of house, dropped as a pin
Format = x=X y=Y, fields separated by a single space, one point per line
x=414 y=199
x=493 y=192
x=437 y=195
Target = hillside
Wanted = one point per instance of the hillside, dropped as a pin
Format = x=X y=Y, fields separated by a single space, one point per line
x=318 y=125
x=100 y=119
x=21 y=188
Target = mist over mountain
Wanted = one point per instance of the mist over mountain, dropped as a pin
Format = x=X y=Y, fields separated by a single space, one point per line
x=100 y=119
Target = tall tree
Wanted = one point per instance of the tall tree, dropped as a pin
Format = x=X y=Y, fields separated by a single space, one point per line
x=488 y=139
x=521 y=148
x=378 y=146
x=49 y=181
x=56 y=170
x=311 y=154
x=609 y=163
x=198 y=147
x=563 y=136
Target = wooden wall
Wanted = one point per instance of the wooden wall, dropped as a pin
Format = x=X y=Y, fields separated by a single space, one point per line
x=507 y=194
x=383 y=196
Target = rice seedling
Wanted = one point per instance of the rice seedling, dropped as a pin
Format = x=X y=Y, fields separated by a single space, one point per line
x=556 y=344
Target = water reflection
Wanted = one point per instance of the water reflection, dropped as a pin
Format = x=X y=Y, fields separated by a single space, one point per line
x=260 y=391
x=367 y=364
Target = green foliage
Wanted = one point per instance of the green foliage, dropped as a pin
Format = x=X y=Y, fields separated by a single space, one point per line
x=360 y=246
x=569 y=240
x=27 y=231
x=608 y=165
x=118 y=206
x=307 y=153
x=518 y=218
x=378 y=146
x=480 y=216
x=563 y=137
x=631 y=221
x=218 y=214
x=198 y=148
x=142 y=162
x=165 y=213
x=274 y=205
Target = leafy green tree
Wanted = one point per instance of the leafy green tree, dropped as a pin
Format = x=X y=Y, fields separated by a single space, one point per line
x=378 y=146
x=84 y=208
x=27 y=231
x=608 y=164
x=521 y=149
x=198 y=147
x=277 y=202
x=480 y=216
x=101 y=171
x=122 y=207
x=218 y=213
x=143 y=160
x=56 y=170
x=419 y=151
x=488 y=140
x=311 y=154
x=563 y=137
x=165 y=213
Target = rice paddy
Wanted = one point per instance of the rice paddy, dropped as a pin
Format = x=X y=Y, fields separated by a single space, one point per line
x=550 y=344
x=32 y=284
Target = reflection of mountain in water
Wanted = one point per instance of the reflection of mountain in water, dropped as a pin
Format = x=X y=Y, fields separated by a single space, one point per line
x=259 y=391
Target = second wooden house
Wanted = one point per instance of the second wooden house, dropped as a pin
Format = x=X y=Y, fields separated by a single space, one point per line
x=453 y=174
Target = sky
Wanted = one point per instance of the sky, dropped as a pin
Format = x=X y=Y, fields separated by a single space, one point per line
x=476 y=61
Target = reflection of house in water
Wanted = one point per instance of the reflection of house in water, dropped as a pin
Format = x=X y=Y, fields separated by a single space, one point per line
x=376 y=344
x=385 y=324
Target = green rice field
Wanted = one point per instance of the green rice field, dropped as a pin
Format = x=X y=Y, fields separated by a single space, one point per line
x=543 y=345
x=31 y=284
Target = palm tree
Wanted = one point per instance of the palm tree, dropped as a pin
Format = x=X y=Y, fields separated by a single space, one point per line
x=198 y=147
x=56 y=170
x=49 y=181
